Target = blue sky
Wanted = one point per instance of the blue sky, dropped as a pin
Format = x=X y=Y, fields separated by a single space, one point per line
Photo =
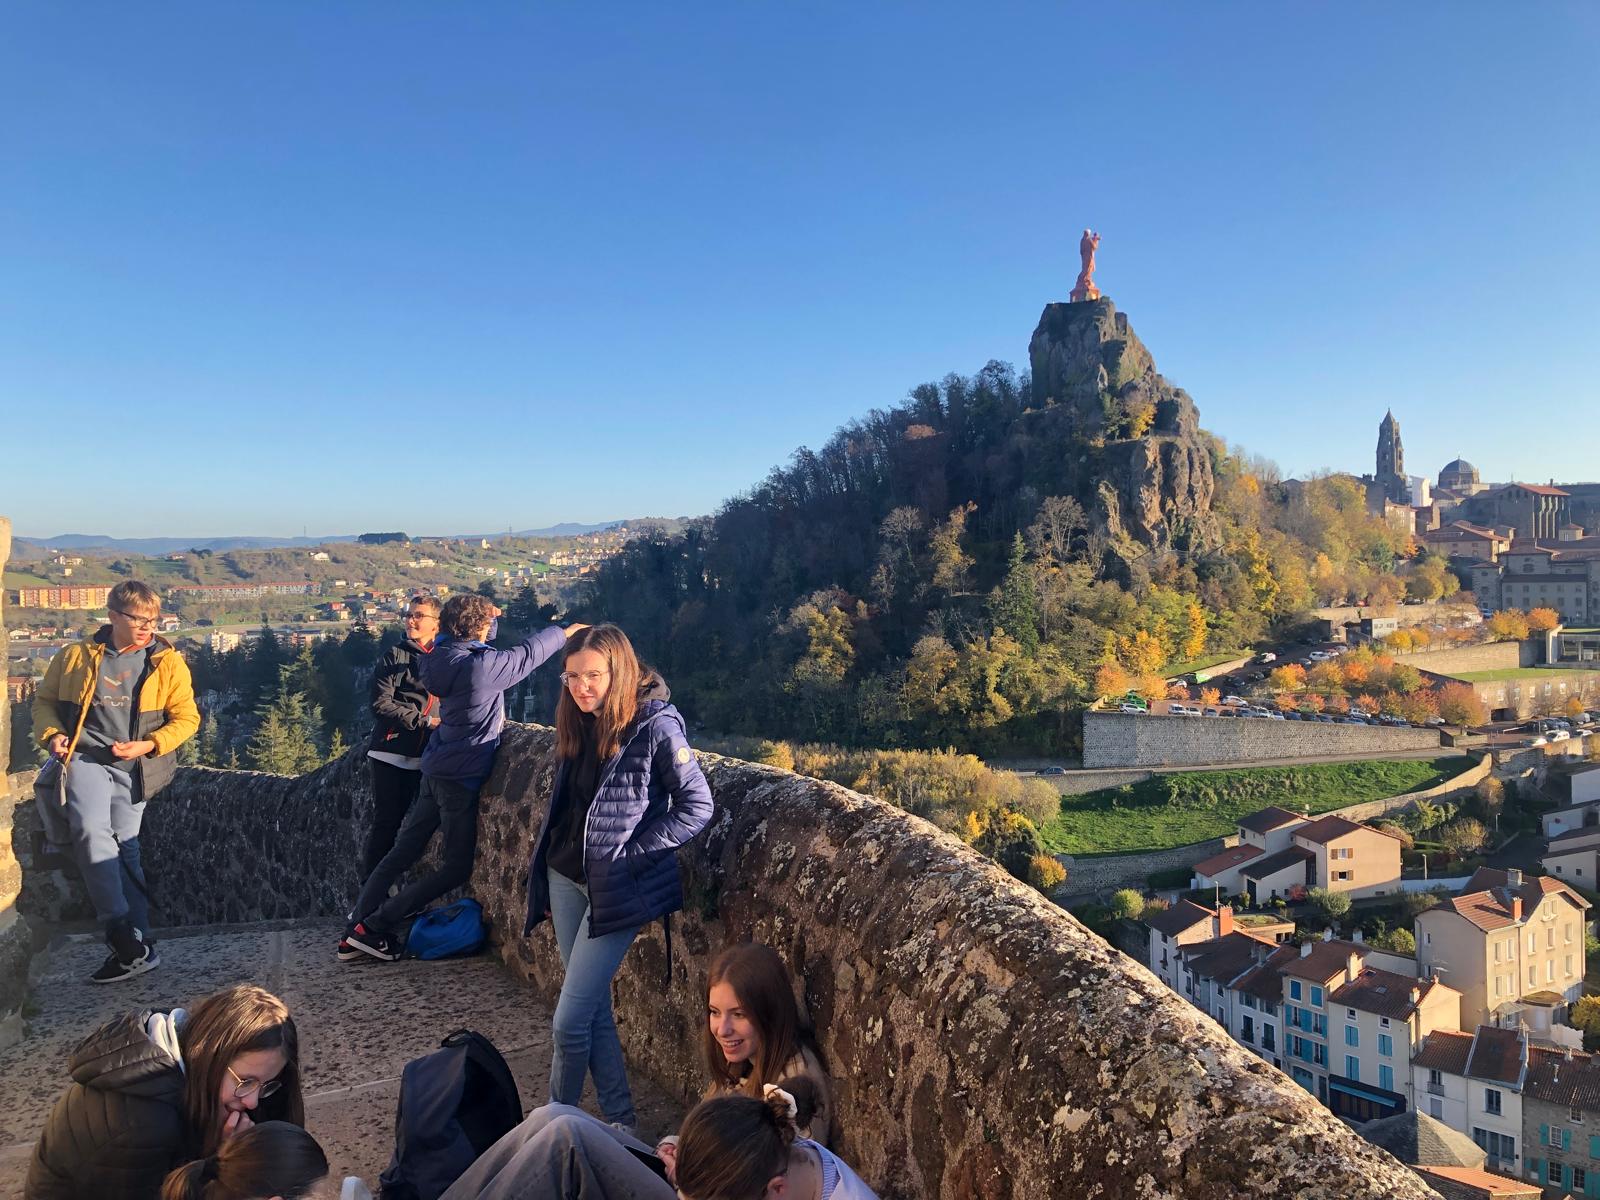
x=447 y=267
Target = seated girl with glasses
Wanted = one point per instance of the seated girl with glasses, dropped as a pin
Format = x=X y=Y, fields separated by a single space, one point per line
x=153 y=1089
x=628 y=793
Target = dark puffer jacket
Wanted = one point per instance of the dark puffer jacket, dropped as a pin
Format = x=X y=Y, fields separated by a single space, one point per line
x=401 y=705
x=120 y=1127
x=651 y=799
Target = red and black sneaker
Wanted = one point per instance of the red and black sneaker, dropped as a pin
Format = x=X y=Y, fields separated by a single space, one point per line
x=371 y=942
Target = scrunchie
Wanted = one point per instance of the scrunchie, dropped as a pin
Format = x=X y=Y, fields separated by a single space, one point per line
x=209 y=1169
x=769 y=1090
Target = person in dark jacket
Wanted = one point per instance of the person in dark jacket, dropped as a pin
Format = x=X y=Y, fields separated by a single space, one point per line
x=404 y=713
x=157 y=1088
x=469 y=677
x=628 y=792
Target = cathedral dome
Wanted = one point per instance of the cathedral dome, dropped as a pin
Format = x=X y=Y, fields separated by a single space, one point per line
x=1458 y=474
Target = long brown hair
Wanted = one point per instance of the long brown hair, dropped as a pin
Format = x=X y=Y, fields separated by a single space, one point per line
x=272 y=1159
x=219 y=1029
x=762 y=983
x=617 y=710
x=730 y=1147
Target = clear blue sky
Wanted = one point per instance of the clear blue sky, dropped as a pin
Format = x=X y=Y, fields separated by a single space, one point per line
x=445 y=267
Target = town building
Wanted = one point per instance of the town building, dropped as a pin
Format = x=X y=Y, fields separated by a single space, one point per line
x=1516 y=694
x=20 y=688
x=1513 y=948
x=222 y=641
x=1460 y=478
x=1577 y=646
x=1281 y=853
x=1561 y=1120
x=246 y=591
x=74 y=597
x=1472 y=1082
x=1571 y=856
x=1461 y=539
x=1184 y=924
x=1472 y=1183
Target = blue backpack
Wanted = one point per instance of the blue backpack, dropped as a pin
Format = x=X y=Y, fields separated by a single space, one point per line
x=455 y=928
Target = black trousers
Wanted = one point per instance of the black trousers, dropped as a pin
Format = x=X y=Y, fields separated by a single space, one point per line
x=441 y=803
x=394 y=790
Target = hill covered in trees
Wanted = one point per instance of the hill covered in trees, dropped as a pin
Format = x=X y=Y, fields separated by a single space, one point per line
x=957 y=569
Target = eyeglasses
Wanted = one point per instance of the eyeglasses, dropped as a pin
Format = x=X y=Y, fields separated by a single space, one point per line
x=244 y=1087
x=570 y=678
x=137 y=621
x=420 y=616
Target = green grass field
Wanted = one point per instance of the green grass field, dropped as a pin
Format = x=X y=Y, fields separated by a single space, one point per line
x=1191 y=806
x=1201 y=664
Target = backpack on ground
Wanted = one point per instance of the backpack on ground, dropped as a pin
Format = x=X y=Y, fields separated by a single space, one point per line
x=455 y=928
x=454 y=1104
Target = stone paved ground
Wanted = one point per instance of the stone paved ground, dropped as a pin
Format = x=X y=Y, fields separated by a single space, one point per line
x=359 y=1025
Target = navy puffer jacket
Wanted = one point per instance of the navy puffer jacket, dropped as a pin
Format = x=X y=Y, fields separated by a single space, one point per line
x=652 y=798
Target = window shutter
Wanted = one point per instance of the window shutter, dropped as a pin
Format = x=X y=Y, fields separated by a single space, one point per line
x=1594 y=1146
x=1544 y=1135
x=1566 y=1142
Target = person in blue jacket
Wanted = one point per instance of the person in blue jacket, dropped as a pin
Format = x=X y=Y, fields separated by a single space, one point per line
x=628 y=792
x=469 y=677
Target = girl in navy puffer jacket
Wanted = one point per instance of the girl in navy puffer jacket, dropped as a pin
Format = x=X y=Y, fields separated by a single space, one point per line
x=628 y=793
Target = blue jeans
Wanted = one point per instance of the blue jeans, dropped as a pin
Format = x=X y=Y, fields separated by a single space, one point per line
x=583 y=1028
x=104 y=823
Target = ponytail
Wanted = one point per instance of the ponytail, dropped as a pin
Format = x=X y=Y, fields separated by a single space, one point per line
x=271 y=1159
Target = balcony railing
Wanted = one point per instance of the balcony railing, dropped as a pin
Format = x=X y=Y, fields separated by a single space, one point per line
x=1435 y=1089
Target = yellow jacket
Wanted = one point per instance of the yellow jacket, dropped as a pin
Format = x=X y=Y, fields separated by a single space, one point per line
x=166 y=712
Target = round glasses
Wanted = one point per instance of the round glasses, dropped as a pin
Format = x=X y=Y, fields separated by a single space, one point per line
x=592 y=678
x=246 y=1087
x=137 y=621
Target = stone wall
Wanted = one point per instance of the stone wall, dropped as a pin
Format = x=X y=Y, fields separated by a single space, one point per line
x=1491 y=656
x=1077 y=783
x=984 y=1043
x=16 y=938
x=1126 y=740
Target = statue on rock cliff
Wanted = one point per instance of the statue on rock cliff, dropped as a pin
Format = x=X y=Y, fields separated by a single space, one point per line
x=1085 y=289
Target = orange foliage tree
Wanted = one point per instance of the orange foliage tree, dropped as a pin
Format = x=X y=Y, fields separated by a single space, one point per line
x=1288 y=678
x=1543 y=620
x=1459 y=704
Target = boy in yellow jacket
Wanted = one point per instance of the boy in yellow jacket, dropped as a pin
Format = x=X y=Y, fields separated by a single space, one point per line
x=113 y=710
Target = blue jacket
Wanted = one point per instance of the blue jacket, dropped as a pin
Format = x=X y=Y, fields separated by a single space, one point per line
x=651 y=799
x=470 y=678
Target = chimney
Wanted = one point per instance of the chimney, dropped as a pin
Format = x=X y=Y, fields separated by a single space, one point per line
x=1356 y=937
x=1352 y=967
x=1305 y=949
x=1327 y=935
x=1516 y=908
x=1224 y=920
x=1416 y=994
x=1513 y=877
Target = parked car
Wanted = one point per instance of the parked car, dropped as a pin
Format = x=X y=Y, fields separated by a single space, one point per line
x=1362 y=713
x=1134 y=709
x=1537 y=741
x=1232 y=712
x=1211 y=712
x=1266 y=656
x=1322 y=655
x=1277 y=716
x=1560 y=735
x=1051 y=771
x=1235 y=701
x=1436 y=721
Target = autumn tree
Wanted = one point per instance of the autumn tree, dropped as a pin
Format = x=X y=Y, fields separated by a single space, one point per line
x=1508 y=625
x=1127 y=903
x=1543 y=620
x=1290 y=677
x=1463 y=836
x=1459 y=704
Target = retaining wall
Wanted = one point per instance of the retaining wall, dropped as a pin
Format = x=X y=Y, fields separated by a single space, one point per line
x=1126 y=740
x=1491 y=656
x=16 y=938
x=984 y=1044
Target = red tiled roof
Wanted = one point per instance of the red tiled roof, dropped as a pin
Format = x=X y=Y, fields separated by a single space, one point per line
x=1181 y=917
x=1384 y=993
x=1571 y=1082
x=1268 y=819
x=1226 y=958
x=1538 y=489
x=1486 y=900
x=1444 y=1050
x=1486 y=1185
x=1266 y=981
x=1325 y=960
x=1325 y=829
x=1497 y=1054
x=1229 y=858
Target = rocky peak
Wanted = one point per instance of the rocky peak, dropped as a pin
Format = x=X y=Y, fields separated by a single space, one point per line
x=1143 y=466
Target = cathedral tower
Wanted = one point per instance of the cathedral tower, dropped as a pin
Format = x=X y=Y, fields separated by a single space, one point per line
x=1391 y=475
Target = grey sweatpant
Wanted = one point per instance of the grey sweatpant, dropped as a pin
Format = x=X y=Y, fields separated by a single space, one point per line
x=561 y=1153
x=104 y=827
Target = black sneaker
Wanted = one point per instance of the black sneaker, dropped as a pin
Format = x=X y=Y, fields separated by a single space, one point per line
x=115 y=969
x=347 y=952
x=370 y=941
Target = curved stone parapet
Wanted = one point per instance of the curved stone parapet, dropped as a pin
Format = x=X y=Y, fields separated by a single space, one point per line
x=984 y=1043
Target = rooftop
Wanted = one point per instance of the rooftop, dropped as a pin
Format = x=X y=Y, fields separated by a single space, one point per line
x=1570 y=1078
x=1497 y=1054
x=1269 y=818
x=1444 y=1050
x=1226 y=958
x=1383 y=993
x=1486 y=899
x=1280 y=861
x=1326 y=829
x=1181 y=917
x=1492 y=1186
x=1416 y=1139
x=1228 y=859
x=1324 y=960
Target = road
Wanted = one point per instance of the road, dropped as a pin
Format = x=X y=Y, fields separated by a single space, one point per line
x=1019 y=766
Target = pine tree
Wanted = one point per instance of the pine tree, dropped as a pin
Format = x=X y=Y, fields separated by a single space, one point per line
x=287 y=741
x=1014 y=605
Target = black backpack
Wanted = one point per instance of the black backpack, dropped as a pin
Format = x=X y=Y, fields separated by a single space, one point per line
x=454 y=1104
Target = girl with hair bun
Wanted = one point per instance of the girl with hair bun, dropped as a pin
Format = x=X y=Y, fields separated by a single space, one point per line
x=741 y=1148
x=273 y=1159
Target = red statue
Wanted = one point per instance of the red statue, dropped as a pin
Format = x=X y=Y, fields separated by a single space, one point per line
x=1085 y=289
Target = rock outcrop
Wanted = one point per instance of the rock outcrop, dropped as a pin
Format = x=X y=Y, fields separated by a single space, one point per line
x=1140 y=464
x=985 y=1044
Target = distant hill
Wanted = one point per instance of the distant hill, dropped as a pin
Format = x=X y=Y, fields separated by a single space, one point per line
x=172 y=545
